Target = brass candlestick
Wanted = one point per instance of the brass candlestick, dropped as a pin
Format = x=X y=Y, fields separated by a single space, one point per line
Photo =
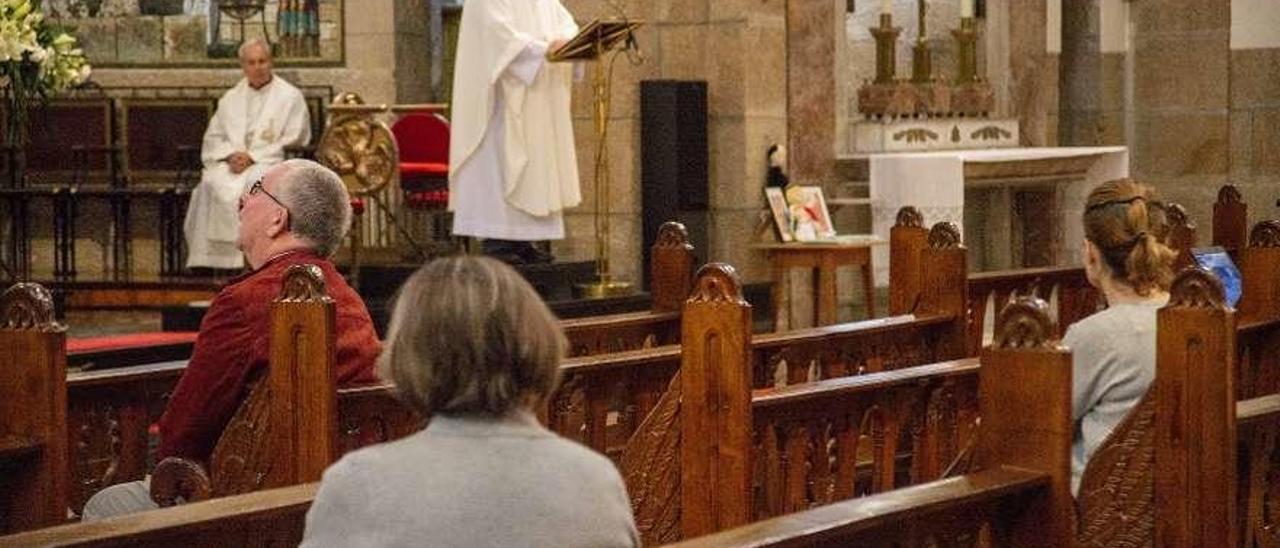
x=922 y=59
x=966 y=51
x=886 y=36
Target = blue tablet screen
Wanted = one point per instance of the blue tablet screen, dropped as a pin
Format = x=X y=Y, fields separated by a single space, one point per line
x=1216 y=260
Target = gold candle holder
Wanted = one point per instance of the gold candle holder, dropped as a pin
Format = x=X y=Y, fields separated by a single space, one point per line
x=886 y=36
x=966 y=51
x=922 y=58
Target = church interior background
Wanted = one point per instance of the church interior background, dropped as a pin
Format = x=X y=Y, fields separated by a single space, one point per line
x=1188 y=86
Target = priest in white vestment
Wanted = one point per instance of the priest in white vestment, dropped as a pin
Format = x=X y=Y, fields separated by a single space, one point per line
x=512 y=164
x=255 y=121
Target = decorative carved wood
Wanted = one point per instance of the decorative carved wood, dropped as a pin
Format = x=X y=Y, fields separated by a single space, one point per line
x=1027 y=369
x=360 y=148
x=33 y=407
x=286 y=430
x=944 y=235
x=1025 y=324
x=1230 y=219
x=650 y=467
x=715 y=410
x=945 y=291
x=671 y=267
x=990 y=292
x=1195 y=443
x=1182 y=235
x=1258 y=263
x=907 y=239
x=1265 y=234
x=1116 y=501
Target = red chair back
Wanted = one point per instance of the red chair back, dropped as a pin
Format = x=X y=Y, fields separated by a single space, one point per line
x=422 y=138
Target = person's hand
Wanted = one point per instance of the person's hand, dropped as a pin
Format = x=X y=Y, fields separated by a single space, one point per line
x=555 y=45
x=239 y=161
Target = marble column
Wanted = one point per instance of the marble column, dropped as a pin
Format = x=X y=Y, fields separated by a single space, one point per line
x=811 y=87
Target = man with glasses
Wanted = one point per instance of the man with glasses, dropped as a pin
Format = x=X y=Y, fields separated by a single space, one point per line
x=297 y=213
x=255 y=121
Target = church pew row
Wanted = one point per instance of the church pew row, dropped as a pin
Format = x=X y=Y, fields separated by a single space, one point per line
x=660 y=475
x=600 y=403
x=601 y=399
x=1017 y=496
x=1170 y=472
x=596 y=392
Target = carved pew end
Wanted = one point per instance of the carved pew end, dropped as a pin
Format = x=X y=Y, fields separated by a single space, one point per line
x=177 y=481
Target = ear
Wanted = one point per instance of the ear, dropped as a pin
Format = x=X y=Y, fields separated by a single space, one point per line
x=279 y=224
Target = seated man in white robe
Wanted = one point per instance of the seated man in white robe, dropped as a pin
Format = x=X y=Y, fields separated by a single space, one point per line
x=512 y=164
x=254 y=123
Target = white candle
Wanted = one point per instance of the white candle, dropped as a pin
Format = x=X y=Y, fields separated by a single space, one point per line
x=966 y=8
x=886 y=6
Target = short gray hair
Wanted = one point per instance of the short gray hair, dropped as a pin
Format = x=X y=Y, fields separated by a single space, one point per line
x=318 y=203
x=252 y=42
x=469 y=336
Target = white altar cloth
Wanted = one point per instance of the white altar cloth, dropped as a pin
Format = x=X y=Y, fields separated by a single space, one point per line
x=934 y=183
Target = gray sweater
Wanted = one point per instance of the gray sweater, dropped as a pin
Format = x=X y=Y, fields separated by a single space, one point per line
x=473 y=482
x=1113 y=364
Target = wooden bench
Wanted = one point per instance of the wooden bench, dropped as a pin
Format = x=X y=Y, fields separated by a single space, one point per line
x=33 y=436
x=1190 y=466
x=1017 y=495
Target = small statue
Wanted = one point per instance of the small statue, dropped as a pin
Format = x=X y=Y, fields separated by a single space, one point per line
x=777 y=176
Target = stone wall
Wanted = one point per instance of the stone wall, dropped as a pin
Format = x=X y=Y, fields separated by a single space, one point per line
x=739 y=48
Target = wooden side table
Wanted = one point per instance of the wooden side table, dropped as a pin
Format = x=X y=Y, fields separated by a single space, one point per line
x=823 y=259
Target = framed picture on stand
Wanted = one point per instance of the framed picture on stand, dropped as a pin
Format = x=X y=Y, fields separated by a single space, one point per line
x=781 y=213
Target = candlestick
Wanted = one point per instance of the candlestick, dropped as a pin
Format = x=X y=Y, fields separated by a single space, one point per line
x=886 y=36
x=921 y=59
x=921 y=32
x=966 y=51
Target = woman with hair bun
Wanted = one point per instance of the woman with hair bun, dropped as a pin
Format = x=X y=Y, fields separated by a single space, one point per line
x=1114 y=351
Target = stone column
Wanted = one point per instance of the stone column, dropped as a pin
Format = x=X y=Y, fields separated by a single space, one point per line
x=811 y=89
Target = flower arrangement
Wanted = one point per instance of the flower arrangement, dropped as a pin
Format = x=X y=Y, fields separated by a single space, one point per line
x=37 y=60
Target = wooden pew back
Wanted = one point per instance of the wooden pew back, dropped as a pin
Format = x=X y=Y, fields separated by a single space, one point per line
x=33 y=404
x=285 y=433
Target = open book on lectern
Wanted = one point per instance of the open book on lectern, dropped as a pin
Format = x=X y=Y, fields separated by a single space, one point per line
x=583 y=46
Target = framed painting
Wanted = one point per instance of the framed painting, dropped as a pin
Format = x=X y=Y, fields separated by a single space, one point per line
x=202 y=33
x=781 y=213
x=810 y=220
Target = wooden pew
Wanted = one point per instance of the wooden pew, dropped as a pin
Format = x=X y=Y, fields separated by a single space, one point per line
x=1018 y=494
x=717 y=302
x=671 y=271
x=286 y=431
x=1190 y=466
x=1230 y=220
x=33 y=436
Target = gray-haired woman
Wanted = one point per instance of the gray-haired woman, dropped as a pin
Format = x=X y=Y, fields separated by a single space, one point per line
x=472 y=346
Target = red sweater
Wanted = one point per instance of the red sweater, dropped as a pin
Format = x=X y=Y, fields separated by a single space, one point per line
x=233 y=344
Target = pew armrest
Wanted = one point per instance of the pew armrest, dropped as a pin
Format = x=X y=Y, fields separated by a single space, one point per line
x=176 y=480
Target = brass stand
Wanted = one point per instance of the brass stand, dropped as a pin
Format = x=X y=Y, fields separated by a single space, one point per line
x=605 y=284
x=886 y=36
x=922 y=58
x=966 y=52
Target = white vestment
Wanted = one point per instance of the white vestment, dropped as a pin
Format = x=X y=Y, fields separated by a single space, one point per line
x=513 y=168
x=260 y=122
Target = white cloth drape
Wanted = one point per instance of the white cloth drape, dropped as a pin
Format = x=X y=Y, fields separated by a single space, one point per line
x=933 y=182
x=512 y=158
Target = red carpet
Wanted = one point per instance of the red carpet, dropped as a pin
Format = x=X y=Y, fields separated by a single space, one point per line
x=129 y=341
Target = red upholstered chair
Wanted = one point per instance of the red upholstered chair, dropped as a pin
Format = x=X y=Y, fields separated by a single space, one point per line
x=423 y=139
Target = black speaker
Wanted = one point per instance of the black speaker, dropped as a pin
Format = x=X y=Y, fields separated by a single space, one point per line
x=673 y=161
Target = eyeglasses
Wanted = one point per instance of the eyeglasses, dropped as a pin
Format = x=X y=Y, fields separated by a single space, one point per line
x=257 y=187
